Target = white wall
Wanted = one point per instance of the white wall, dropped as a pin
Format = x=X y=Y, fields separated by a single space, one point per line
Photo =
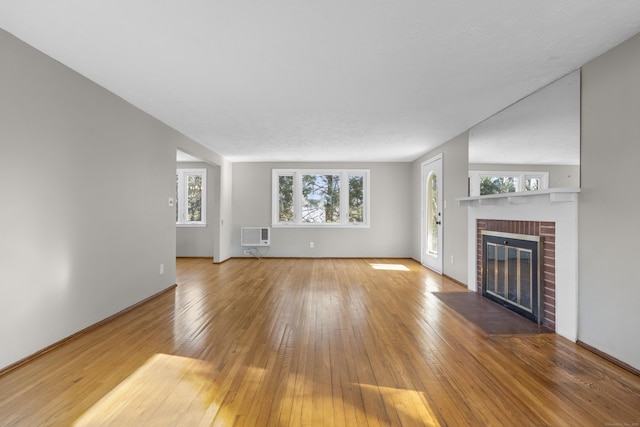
x=609 y=294
x=85 y=221
x=223 y=247
x=455 y=164
x=388 y=236
x=198 y=241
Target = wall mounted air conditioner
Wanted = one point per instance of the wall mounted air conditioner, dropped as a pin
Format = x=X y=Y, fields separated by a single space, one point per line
x=255 y=236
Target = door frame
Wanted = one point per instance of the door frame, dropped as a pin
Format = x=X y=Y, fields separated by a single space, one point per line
x=424 y=169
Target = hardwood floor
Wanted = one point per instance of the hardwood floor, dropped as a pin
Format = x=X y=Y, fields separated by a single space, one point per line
x=313 y=342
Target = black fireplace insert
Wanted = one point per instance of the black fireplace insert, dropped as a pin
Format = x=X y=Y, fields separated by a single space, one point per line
x=511 y=272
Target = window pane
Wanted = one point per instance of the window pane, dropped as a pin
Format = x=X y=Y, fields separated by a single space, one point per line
x=356 y=198
x=285 y=198
x=321 y=199
x=433 y=210
x=194 y=196
x=313 y=197
x=532 y=184
x=498 y=184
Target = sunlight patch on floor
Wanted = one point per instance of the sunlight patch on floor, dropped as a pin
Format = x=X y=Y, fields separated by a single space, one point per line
x=166 y=390
x=410 y=405
x=394 y=267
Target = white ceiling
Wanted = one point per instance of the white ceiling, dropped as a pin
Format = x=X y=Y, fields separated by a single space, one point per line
x=332 y=80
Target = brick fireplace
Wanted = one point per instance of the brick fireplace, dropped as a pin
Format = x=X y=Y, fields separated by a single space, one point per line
x=551 y=214
x=546 y=230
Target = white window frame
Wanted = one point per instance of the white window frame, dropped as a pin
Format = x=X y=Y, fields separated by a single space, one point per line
x=522 y=176
x=181 y=197
x=298 y=198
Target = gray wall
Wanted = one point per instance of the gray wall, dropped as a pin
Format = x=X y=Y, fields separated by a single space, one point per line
x=609 y=294
x=388 y=236
x=198 y=241
x=222 y=216
x=454 y=167
x=85 y=221
x=560 y=176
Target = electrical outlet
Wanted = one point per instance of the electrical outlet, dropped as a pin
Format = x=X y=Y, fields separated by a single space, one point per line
x=312 y=245
x=451 y=259
x=161 y=268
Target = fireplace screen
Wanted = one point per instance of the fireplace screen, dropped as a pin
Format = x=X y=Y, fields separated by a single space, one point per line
x=510 y=273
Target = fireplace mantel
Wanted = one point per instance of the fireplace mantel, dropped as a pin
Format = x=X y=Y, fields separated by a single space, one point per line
x=558 y=205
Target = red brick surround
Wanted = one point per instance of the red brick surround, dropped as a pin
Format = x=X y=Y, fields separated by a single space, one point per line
x=546 y=230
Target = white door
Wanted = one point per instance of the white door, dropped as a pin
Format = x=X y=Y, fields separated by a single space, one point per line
x=432 y=217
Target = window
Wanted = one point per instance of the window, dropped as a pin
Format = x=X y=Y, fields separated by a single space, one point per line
x=320 y=198
x=191 y=197
x=482 y=183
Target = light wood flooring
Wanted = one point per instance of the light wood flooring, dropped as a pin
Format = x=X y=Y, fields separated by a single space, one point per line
x=313 y=342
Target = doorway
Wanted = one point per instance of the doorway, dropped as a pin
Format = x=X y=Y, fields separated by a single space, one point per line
x=432 y=218
x=196 y=201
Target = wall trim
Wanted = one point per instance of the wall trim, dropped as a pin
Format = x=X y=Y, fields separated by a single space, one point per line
x=457 y=282
x=610 y=358
x=84 y=331
x=324 y=257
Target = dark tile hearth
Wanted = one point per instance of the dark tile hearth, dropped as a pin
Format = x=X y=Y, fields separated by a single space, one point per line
x=489 y=316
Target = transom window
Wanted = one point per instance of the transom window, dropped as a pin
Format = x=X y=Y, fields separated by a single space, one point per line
x=482 y=183
x=191 y=197
x=320 y=198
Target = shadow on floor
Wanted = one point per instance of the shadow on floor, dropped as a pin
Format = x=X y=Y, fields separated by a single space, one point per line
x=489 y=316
